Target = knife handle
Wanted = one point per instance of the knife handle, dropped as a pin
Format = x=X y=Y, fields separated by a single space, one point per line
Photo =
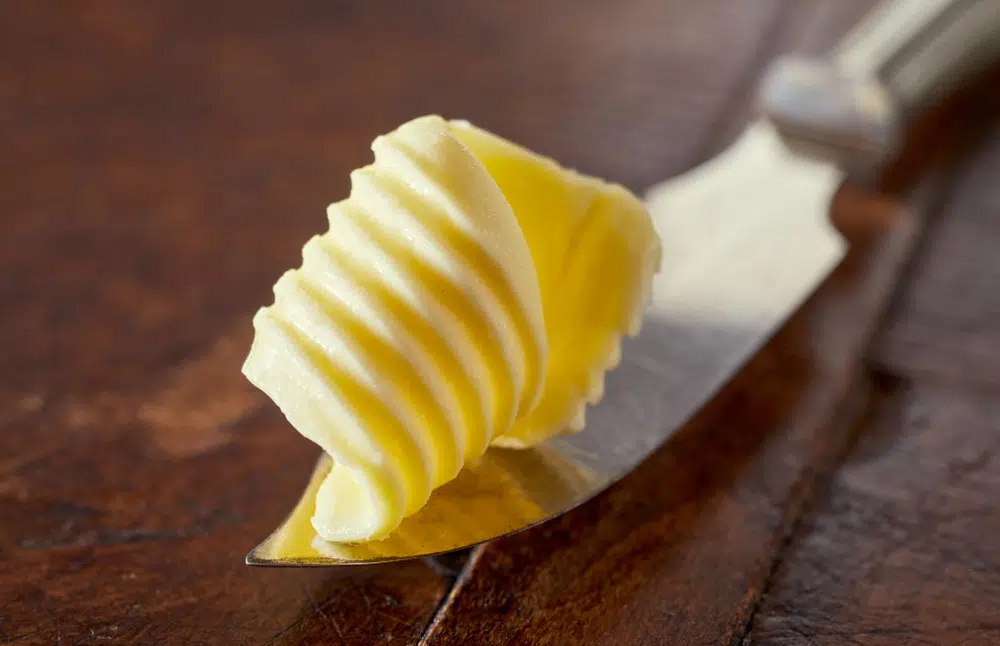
x=904 y=56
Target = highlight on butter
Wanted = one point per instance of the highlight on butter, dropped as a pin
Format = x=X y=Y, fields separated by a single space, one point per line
x=468 y=293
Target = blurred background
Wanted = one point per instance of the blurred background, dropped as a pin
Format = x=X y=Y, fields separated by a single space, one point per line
x=146 y=136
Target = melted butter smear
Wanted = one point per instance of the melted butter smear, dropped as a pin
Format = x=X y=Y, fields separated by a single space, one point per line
x=468 y=293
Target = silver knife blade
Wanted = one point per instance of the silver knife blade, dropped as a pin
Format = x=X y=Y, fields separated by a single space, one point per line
x=746 y=239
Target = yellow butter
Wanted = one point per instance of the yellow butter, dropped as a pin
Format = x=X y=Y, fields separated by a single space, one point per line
x=468 y=292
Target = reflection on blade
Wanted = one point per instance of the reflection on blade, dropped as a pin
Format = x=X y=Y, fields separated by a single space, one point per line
x=519 y=488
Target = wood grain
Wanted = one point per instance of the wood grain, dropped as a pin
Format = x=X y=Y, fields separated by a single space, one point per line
x=164 y=162
x=903 y=549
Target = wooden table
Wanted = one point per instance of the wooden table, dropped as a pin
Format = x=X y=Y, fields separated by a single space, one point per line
x=163 y=162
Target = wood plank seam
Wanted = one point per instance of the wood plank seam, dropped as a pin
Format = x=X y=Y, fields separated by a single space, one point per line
x=449 y=599
x=864 y=400
x=913 y=499
x=862 y=403
x=935 y=192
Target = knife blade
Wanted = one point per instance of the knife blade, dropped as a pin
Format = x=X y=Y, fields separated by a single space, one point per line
x=746 y=240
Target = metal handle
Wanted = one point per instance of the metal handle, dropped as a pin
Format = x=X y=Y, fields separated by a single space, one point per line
x=903 y=56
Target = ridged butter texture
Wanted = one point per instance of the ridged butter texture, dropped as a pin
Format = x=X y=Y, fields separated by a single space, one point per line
x=468 y=292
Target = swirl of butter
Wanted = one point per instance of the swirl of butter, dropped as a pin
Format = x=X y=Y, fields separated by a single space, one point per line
x=438 y=316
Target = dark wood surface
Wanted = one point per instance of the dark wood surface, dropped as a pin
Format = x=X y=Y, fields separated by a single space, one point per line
x=162 y=163
x=903 y=546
